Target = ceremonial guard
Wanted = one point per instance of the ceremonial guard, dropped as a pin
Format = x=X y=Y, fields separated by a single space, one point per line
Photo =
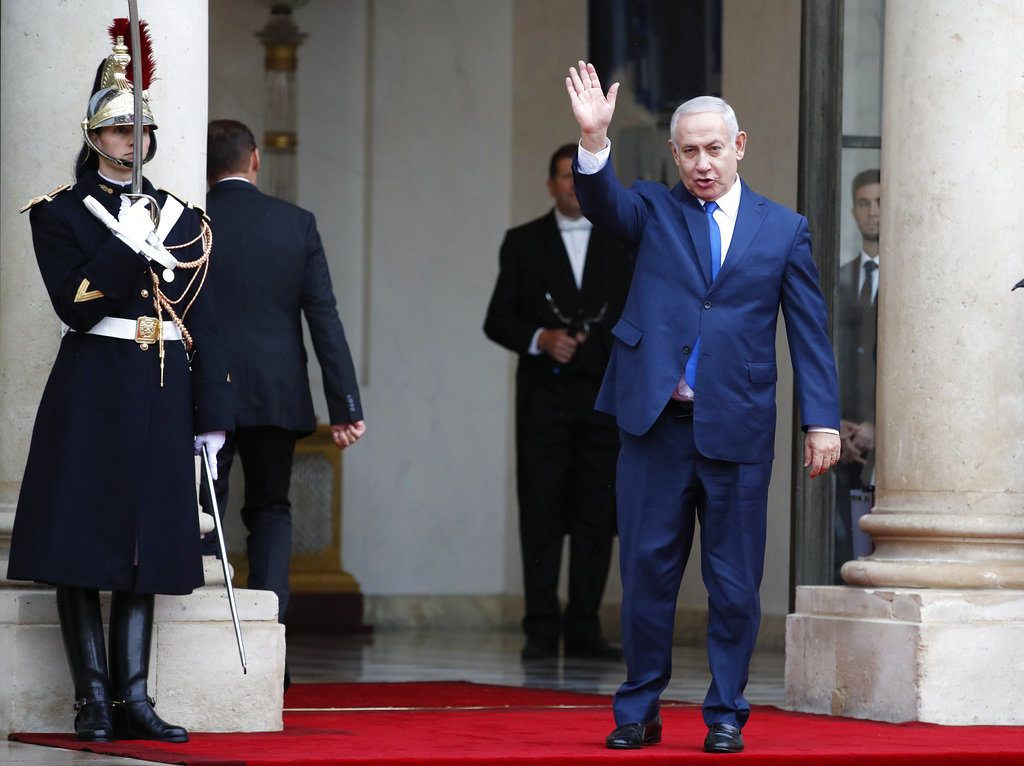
x=140 y=382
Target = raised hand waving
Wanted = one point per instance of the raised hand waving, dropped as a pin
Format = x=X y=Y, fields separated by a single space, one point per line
x=591 y=107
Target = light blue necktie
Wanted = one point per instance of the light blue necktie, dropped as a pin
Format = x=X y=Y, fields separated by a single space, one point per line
x=690 y=373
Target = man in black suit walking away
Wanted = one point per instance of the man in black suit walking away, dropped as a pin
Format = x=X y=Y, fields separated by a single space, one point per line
x=560 y=288
x=268 y=268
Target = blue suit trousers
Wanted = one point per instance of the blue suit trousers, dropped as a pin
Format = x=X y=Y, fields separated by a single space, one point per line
x=665 y=486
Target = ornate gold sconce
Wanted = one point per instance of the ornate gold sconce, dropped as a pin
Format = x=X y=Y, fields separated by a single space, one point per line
x=281 y=38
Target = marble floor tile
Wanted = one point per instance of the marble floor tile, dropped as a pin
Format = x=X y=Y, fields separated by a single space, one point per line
x=493 y=658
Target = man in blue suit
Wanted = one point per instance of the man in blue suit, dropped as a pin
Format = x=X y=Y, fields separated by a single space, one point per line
x=691 y=383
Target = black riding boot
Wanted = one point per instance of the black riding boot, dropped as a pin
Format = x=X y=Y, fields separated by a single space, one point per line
x=82 y=628
x=131 y=632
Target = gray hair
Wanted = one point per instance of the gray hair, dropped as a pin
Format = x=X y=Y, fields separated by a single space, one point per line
x=705 y=104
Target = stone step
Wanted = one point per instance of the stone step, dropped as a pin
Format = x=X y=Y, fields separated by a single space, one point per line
x=195 y=672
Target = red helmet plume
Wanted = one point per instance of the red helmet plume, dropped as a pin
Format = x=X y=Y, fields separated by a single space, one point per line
x=121 y=28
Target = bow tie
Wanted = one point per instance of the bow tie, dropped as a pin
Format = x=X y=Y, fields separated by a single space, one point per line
x=580 y=224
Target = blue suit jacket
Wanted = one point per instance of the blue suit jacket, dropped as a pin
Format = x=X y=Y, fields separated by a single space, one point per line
x=672 y=300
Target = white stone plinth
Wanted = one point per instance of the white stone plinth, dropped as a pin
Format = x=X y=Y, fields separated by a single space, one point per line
x=195 y=674
x=907 y=654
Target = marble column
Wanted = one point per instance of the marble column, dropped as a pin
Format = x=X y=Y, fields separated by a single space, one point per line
x=48 y=54
x=934 y=628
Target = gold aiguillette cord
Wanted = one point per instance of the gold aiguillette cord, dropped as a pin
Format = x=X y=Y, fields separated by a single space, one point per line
x=160 y=345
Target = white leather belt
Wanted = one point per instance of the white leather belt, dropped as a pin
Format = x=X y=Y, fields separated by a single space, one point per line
x=143 y=330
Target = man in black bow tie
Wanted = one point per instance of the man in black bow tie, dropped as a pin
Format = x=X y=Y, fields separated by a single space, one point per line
x=560 y=288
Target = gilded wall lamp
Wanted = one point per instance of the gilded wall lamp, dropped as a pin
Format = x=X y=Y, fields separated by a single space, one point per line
x=281 y=38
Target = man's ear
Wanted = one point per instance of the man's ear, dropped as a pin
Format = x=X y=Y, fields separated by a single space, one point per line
x=254 y=164
x=741 y=144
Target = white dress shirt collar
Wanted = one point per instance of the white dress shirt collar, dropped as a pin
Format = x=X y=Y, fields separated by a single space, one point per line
x=863 y=274
x=121 y=185
x=575 y=233
x=565 y=223
x=864 y=258
x=729 y=203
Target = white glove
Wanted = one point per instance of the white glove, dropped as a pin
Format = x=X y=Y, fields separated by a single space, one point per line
x=213 y=440
x=134 y=227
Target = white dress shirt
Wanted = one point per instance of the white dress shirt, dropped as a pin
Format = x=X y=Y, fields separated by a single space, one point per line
x=864 y=258
x=725 y=217
x=576 y=238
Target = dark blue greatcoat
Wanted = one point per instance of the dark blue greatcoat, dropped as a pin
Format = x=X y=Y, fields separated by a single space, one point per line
x=110 y=478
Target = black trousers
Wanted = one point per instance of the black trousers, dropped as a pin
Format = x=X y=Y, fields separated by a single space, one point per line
x=267 y=454
x=566 y=455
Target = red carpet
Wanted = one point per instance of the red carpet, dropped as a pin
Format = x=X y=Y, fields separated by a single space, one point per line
x=463 y=723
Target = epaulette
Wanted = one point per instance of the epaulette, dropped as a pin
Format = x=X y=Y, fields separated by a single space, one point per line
x=199 y=211
x=48 y=197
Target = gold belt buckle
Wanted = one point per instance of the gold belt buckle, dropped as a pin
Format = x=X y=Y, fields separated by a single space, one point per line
x=147 y=331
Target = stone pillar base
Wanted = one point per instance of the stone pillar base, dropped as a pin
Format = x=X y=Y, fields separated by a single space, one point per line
x=904 y=654
x=195 y=675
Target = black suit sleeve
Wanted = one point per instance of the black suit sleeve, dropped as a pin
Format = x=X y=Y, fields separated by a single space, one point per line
x=504 y=323
x=332 y=352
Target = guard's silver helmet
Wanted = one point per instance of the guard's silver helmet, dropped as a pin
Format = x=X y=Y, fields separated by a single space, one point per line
x=113 y=103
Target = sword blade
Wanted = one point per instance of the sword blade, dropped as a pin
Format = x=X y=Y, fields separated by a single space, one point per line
x=224 y=557
x=133 y=21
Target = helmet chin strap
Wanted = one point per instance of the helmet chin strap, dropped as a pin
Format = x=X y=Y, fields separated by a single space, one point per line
x=123 y=163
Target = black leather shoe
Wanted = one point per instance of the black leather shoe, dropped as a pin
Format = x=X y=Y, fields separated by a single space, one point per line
x=540 y=649
x=723 y=738
x=594 y=650
x=632 y=736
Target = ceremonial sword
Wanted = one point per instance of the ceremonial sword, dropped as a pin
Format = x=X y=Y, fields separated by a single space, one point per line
x=133 y=25
x=154 y=211
x=223 y=556
x=136 y=193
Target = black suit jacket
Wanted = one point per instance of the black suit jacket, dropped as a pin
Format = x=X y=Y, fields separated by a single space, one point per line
x=855 y=347
x=267 y=268
x=533 y=261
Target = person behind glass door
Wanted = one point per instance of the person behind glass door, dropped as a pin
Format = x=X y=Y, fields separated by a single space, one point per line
x=857 y=323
